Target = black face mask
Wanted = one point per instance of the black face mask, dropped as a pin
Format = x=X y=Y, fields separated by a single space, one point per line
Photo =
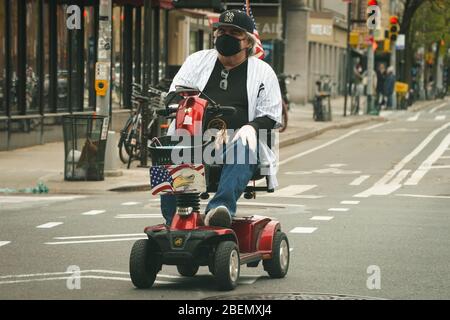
x=227 y=45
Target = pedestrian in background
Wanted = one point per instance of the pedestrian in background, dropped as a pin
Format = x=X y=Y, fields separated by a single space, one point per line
x=381 y=77
x=389 y=84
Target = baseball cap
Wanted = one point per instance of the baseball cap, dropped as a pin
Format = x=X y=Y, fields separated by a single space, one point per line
x=237 y=19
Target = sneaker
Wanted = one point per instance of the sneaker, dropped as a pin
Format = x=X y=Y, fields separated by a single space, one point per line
x=218 y=217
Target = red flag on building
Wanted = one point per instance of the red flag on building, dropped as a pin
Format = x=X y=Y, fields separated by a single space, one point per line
x=259 y=50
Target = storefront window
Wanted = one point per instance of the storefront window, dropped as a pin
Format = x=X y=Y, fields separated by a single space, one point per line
x=46 y=46
x=31 y=88
x=90 y=49
x=63 y=59
x=2 y=57
x=117 y=56
x=14 y=57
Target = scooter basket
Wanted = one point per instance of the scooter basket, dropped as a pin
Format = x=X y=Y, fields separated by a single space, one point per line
x=169 y=150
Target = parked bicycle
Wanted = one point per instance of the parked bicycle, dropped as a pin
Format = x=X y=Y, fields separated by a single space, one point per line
x=133 y=137
x=283 y=80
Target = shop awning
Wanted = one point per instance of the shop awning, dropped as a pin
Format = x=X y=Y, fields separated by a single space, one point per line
x=165 y=4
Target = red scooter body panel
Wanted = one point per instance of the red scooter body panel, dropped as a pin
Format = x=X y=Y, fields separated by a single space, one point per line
x=190 y=115
x=266 y=238
x=248 y=231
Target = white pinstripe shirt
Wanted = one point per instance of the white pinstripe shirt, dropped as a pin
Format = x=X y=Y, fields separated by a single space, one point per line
x=263 y=92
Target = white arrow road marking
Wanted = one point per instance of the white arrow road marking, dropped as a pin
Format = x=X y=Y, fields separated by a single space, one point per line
x=414 y=118
x=382 y=187
x=303 y=230
x=428 y=163
x=359 y=180
x=4 y=243
x=49 y=225
x=93 y=212
x=322 y=218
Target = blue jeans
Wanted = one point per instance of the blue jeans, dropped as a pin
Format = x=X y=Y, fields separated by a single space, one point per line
x=233 y=181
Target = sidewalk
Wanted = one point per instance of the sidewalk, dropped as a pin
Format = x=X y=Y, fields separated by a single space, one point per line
x=24 y=168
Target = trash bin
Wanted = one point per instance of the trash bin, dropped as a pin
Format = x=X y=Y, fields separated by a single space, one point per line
x=322 y=107
x=84 y=147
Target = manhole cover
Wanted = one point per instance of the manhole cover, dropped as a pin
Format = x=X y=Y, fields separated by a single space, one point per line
x=292 y=296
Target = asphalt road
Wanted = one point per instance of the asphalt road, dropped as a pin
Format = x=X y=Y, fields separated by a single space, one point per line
x=366 y=210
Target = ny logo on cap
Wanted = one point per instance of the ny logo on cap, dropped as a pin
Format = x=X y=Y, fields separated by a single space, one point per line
x=229 y=16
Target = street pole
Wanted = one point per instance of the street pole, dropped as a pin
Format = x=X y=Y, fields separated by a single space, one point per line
x=393 y=65
x=370 y=70
x=103 y=66
x=103 y=86
x=347 y=56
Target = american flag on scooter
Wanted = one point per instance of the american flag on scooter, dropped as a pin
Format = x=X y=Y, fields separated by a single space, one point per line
x=162 y=177
x=259 y=50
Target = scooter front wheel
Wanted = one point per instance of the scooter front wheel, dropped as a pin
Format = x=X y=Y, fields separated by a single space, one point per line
x=144 y=264
x=227 y=265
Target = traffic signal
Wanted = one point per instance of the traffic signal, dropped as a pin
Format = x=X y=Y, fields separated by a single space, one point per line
x=394 y=28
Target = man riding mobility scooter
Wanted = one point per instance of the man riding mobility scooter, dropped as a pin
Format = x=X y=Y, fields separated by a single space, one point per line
x=188 y=243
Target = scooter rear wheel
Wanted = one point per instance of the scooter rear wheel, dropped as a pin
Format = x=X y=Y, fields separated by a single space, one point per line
x=227 y=265
x=278 y=266
x=144 y=264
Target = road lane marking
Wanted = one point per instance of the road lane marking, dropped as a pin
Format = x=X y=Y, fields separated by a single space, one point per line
x=250 y=203
x=291 y=191
x=338 y=209
x=378 y=186
x=438 y=107
x=428 y=163
x=350 y=202
x=440 y=118
x=96 y=241
x=348 y=134
x=440 y=167
x=303 y=230
x=93 y=212
x=375 y=126
x=4 y=243
x=104 y=275
x=321 y=218
x=130 y=203
x=359 y=180
x=445 y=157
x=49 y=225
x=20 y=199
x=414 y=118
x=100 y=236
x=421 y=196
x=336 y=165
x=139 y=216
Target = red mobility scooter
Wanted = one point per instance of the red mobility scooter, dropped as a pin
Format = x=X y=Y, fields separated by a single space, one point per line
x=187 y=242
